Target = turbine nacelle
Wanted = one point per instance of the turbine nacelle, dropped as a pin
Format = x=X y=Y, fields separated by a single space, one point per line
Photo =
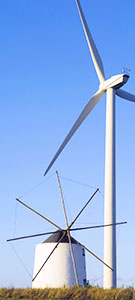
x=114 y=82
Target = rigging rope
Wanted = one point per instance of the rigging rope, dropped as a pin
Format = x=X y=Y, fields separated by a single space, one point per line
x=35 y=186
x=15 y=218
x=44 y=180
x=21 y=261
x=118 y=214
x=99 y=278
x=77 y=182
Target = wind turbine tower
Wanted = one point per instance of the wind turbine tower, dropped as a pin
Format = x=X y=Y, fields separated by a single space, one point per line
x=112 y=87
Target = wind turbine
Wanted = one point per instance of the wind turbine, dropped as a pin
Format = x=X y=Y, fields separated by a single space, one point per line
x=112 y=87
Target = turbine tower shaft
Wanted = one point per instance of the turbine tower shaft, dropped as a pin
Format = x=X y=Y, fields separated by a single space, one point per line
x=110 y=194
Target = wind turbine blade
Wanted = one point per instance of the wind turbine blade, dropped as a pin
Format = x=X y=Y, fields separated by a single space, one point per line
x=38 y=214
x=68 y=233
x=87 y=109
x=30 y=236
x=83 y=208
x=97 y=226
x=125 y=95
x=49 y=256
x=93 y=50
x=93 y=254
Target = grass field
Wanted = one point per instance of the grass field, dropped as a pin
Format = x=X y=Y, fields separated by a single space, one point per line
x=92 y=293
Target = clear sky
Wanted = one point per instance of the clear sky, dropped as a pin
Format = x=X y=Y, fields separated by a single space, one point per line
x=47 y=76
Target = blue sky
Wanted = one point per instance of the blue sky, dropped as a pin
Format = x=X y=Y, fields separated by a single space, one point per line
x=47 y=76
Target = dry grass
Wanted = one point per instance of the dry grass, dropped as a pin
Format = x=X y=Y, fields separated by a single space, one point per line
x=92 y=293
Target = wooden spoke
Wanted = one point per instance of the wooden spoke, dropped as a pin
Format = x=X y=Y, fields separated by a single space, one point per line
x=97 y=226
x=38 y=214
x=68 y=233
x=83 y=208
x=72 y=229
x=30 y=236
x=64 y=232
x=73 y=259
x=94 y=255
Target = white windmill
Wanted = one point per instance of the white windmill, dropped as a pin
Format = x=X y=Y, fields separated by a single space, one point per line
x=60 y=260
x=112 y=87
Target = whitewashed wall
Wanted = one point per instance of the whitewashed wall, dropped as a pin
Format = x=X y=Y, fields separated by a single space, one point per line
x=58 y=271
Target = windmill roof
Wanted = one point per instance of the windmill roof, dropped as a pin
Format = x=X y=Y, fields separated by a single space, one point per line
x=55 y=237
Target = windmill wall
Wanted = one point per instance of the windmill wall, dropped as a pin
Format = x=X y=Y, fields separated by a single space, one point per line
x=58 y=270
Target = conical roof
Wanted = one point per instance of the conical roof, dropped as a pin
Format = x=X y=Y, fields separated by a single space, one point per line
x=55 y=237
